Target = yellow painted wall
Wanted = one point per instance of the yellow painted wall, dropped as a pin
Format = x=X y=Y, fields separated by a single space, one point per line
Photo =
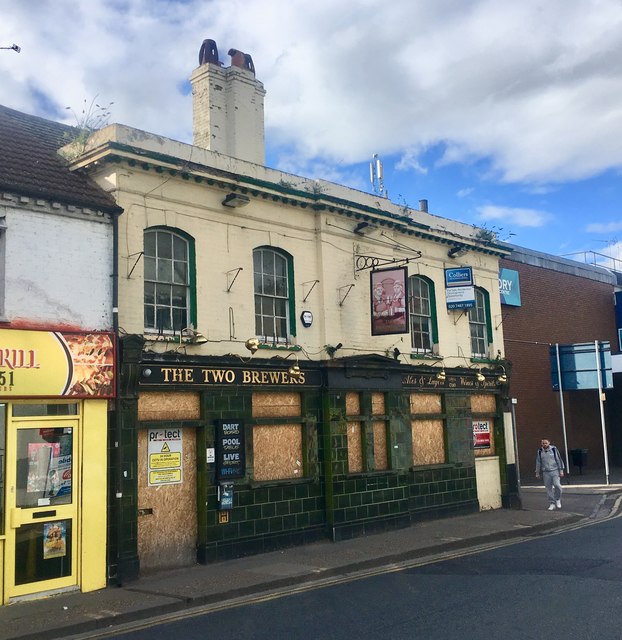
x=94 y=492
x=323 y=246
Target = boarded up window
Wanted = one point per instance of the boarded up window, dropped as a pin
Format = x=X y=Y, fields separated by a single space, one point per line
x=485 y=451
x=355 y=435
x=380 y=446
x=483 y=403
x=428 y=434
x=377 y=404
x=276 y=405
x=277 y=451
x=355 y=447
x=425 y=403
x=169 y=406
x=353 y=404
x=428 y=442
x=277 y=448
x=381 y=461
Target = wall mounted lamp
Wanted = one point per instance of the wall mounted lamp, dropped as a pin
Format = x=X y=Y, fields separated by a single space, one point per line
x=502 y=378
x=480 y=377
x=457 y=251
x=193 y=336
x=294 y=371
x=236 y=200
x=13 y=47
x=441 y=375
x=252 y=344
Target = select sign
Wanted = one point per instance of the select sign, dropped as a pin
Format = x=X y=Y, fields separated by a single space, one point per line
x=165 y=455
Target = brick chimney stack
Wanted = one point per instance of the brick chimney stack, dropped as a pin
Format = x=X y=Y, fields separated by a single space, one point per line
x=228 y=105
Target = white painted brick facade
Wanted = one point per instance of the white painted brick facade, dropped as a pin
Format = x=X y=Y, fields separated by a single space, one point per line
x=323 y=246
x=58 y=270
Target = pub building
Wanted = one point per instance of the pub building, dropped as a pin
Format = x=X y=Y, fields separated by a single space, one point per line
x=271 y=389
x=235 y=458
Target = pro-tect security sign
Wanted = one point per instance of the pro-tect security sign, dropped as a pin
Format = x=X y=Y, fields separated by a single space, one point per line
x=165 y=449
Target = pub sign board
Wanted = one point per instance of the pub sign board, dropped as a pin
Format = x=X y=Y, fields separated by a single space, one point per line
x=230 y=452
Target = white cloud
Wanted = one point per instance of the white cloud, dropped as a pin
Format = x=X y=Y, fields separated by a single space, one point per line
x=604 y=227
x=514 y=216
x=346 y=80
x=463 y=193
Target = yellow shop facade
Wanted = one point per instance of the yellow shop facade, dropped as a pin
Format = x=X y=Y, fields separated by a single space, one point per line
x=55 y=387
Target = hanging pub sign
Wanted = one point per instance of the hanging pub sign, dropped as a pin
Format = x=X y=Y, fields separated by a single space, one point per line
x=389 y=296
x=230 y=453
x=459 y=289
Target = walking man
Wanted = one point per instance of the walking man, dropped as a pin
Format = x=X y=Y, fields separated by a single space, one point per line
x=550 y=464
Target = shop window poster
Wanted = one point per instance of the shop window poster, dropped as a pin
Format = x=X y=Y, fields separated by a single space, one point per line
x=389 y=297
x=54 y=540
x=49 y=472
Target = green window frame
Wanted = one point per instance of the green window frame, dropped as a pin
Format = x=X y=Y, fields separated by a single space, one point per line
x=169 y=280
x=273 y=272
x=480 y=325
x=422 y=312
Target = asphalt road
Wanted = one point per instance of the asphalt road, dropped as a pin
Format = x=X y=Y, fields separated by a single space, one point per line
x=565 y=585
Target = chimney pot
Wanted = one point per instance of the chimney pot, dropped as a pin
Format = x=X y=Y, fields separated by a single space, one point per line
x=209 y=53
x=423 y=206
x=242 y=60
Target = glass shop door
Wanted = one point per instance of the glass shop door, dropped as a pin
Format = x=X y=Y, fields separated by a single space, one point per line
x=42 y=492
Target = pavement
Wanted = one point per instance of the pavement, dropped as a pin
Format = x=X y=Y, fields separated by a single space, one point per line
x=587 y=498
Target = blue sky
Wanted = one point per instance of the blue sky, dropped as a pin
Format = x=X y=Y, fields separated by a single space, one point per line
x=505 y=115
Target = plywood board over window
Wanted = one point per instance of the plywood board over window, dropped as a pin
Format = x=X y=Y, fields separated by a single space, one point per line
x=353 y=404
x=485 y=403
x=428 y=442
x=428 y=436
x=377 y=403
x=155 y=405
x=355 y=447
x=380 y=445
x=276 y=405
x=277 y=451
x=354 y=433
x=425 y=403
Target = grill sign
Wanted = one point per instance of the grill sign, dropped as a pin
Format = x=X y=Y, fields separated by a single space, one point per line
x=230 y=458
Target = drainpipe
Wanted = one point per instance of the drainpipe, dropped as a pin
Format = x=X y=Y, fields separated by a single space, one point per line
x=118 y=461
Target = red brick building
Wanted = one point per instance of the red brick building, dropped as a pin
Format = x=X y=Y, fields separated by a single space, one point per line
x=563 y=302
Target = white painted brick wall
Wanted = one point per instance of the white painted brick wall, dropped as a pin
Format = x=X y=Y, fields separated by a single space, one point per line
x=58 y=270
x=323 y=247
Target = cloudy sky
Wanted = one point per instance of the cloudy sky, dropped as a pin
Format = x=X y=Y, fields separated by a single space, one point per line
x=505 y=115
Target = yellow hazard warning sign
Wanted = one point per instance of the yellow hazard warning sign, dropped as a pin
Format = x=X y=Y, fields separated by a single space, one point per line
x=165 y=448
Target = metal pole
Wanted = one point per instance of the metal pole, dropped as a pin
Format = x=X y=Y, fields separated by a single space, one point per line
x=513 y=403
x=602 y=412
x=561 y=400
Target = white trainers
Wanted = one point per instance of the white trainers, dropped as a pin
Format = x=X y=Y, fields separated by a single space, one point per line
x=551 y=507
x=558 y=504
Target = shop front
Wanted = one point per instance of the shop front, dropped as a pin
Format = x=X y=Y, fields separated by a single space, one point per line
x=235 y=458
x=54 y=391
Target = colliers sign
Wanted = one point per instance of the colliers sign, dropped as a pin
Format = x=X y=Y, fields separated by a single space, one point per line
x=168 y=375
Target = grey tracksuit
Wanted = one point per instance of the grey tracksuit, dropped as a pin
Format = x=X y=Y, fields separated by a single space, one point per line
x=549 y=463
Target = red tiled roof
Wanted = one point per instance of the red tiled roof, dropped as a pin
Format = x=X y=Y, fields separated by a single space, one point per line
x=31 y=166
